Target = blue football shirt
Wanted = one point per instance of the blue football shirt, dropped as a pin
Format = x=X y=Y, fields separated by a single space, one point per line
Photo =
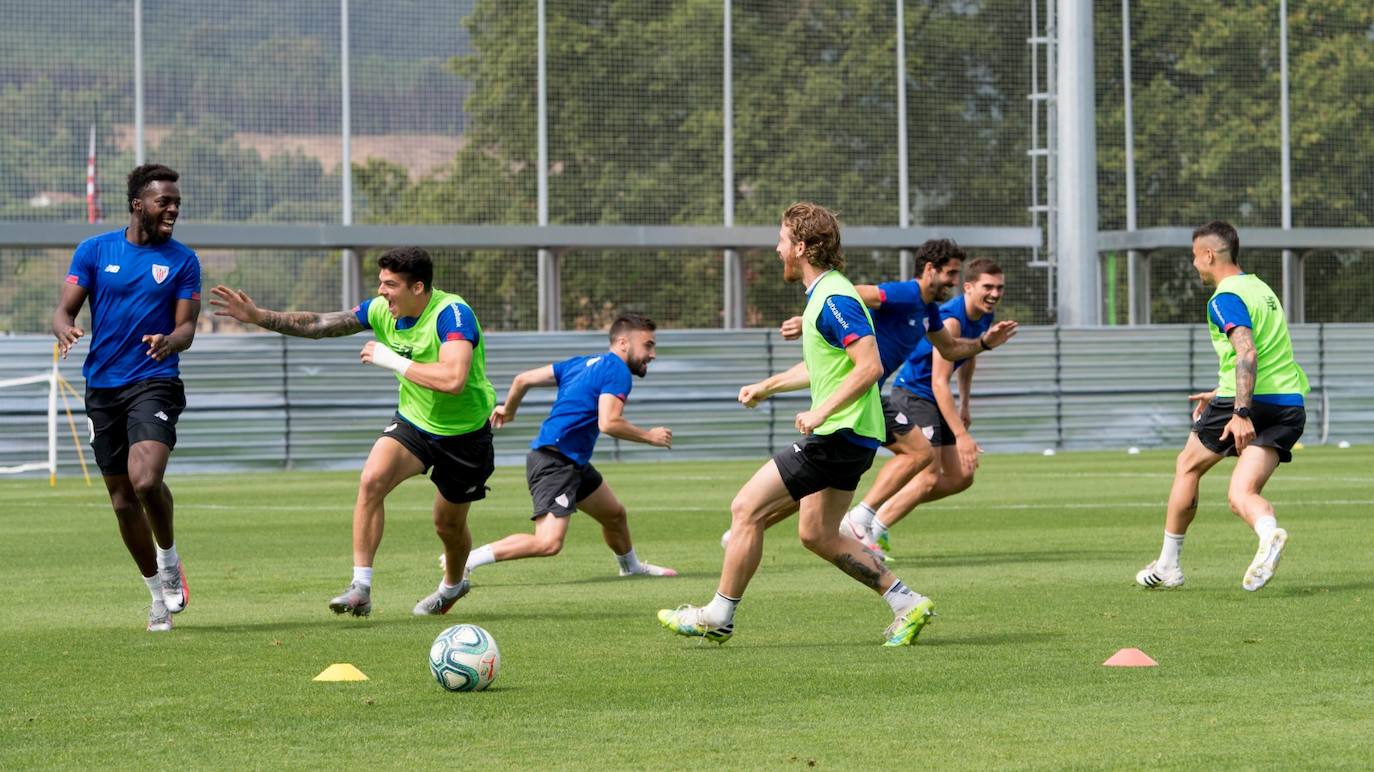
x=572 y=426
x=901 y=322
x=133 y=291
x=916 y=373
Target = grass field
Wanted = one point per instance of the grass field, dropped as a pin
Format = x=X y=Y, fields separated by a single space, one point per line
x=1032 y=571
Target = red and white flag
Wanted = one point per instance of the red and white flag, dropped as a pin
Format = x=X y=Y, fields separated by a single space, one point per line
x=92 y=191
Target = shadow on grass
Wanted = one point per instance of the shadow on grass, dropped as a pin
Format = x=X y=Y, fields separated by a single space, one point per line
x=1001 y=558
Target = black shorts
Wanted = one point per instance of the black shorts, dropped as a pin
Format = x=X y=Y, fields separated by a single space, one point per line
x=462 y=463
x=123 y=415
x=927 y=415
x=819 y=461
x=897 y=420
x=1276 y=426
x=557 y=482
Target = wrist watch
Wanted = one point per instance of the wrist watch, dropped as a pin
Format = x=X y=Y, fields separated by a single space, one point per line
x=983 y=343
x=1242 y=412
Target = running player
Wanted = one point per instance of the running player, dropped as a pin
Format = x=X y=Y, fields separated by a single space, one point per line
x=840 y=433
x=1256 y=411
x=592 y=391
x=144 y=289
x=431 y=340
x=926 y=376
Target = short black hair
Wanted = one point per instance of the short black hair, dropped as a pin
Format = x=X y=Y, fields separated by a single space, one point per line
x=937 y=252
x=142 y=176
x=414 y=263
x=631 y=320
x=979 y=266
x=1224 y=231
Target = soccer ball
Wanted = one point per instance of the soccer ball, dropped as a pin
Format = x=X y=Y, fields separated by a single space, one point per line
x=464 y=658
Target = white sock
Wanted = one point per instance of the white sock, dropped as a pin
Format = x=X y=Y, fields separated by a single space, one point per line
x=877 y=529
x=447 y=590
x=1170 y=552
x=362 y=575
x=167 y=558
x=1265 y=526
x=721 y=610
x=901 y=598
x=154 y=583
x=481 y=557
x=861 y=516
x=629 y=562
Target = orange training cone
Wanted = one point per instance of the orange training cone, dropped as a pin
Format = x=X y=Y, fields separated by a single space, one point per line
x=1130 y=658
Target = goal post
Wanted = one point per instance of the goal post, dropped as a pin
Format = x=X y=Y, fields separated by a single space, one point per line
x=56 y=385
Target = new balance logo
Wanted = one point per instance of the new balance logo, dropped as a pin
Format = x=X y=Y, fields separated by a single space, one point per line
x=161 y=415
x=390 y=429
x=111 y=269
x=796 y=448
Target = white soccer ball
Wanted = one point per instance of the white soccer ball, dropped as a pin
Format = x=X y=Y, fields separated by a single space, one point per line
x=1134 y=451
x=1048 y=452
x=464 y=658
x=1343 y=444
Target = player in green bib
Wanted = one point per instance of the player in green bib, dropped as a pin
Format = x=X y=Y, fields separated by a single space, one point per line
x=1256 y=411
x=431 y=340
x=839 y=435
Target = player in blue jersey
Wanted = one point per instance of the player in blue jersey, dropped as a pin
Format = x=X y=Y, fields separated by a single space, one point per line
x=926 y=375
x=592 y=391
x=905 y=314
x=144 y=291
x=938 y=263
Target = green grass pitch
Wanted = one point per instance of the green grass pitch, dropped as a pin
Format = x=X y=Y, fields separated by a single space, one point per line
x=1032 y=571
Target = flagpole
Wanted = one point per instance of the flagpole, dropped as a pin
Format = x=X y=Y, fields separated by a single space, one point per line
x=93 y=213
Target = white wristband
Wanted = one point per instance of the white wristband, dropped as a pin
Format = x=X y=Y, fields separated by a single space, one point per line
x=386 y=358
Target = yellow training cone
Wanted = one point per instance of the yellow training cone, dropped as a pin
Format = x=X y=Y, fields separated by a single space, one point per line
x=341 y=671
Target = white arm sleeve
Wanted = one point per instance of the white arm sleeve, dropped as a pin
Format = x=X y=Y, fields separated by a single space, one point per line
x=390 y=360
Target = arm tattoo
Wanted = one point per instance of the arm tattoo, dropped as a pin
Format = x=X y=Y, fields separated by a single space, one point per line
x=1246 y=364
x=305 y=324
x=866 y=575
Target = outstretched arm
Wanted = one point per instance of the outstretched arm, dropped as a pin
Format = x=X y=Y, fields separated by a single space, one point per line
x=954 y=349
x=236 y=304
x=610 y=419
x=505 y=412
x=793 y=379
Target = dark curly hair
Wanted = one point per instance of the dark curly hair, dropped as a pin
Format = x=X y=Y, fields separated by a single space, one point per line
x=937 y=252
x=142 y=176
x=414 y=263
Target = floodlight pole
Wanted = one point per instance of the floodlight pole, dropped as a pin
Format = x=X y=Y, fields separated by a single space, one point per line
x=1077 y=263
x=550 y=314
x=1137 y=276
x=906 y=269
x=733 y=301
x=350 y=284
x=1292 y=265
x=139 y=155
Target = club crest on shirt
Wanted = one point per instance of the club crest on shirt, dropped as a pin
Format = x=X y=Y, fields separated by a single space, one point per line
x=160 y=273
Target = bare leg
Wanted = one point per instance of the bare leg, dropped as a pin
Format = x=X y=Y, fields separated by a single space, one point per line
x=900 y=504
x=1252 y=471
x=133 y=523
x=451 y=524
x=1193 y=462
x=912 y=454
x=819 y=529
x=387 y=466
x=546 y=541
x=603 y=507
x=147 y=467
x=761 y=499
